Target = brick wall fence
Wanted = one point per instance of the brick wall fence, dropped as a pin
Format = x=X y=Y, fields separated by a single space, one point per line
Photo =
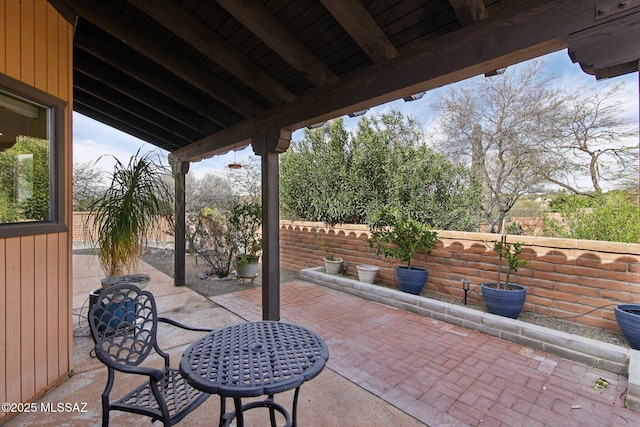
x=160 y=235
x=563 y=277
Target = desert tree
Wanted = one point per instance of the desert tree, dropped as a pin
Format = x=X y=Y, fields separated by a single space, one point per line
x=496 y=127
x=597 y=139
x=86 y=184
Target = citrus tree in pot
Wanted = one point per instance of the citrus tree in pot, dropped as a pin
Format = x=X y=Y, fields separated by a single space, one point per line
x=395 y=236
x=505 y=298
x=122 y=216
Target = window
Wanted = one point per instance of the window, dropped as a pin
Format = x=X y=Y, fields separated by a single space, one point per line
x=31 y=160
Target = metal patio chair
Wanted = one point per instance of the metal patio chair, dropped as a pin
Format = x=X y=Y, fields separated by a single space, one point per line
x=124 y=325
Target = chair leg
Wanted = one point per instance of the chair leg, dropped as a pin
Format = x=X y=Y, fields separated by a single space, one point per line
x=223 y=409
x=239 y=415
x=105 y=398
x=294 y=415
x=272 y=413
x=105 y=416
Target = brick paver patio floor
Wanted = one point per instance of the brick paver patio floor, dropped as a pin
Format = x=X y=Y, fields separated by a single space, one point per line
x=443 y=374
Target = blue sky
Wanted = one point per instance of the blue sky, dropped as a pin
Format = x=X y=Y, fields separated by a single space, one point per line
x=93 y=139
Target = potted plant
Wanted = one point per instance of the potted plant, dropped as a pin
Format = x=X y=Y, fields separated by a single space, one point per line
x=505 y=298
x=244 y=222
x=367 y=273
x=121 y=218
x=332 y=263
x=401 y=238
x=123 y=215
x=628 y=318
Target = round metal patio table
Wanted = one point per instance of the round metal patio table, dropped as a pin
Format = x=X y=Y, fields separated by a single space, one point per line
x=254 y=359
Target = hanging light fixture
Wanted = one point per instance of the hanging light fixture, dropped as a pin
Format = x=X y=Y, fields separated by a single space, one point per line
x=234 y=165
x=358 y=113
x=414 y=97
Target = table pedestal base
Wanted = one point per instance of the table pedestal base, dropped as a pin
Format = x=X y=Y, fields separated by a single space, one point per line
x=269 y=402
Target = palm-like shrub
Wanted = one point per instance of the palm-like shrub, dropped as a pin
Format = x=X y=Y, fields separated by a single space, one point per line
x=127 y=210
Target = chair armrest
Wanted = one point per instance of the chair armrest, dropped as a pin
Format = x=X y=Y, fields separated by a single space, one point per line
x=154 y=373
x=183 y=326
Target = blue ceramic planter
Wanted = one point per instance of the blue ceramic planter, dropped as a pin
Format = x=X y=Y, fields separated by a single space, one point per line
x=504 y=302
x=628 y=317
x=411 y=280
x=114 y=315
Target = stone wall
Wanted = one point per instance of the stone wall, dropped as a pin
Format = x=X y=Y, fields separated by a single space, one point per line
x=564 y=277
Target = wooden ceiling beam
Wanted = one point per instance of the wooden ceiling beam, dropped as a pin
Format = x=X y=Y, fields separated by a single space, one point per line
x=125 y=103
x=209 y=43
x=137 y=122
x=140 y=93
x=86 y=107
x=140 y=72
x=610 y=49
x=257 y=18
x=469 y=11
x=110 y=21
x=526 y=30
x=356 y=21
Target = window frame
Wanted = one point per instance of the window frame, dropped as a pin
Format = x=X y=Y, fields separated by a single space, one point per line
x=56 y=134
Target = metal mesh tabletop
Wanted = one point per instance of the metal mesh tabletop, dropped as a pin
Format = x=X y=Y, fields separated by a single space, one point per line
x=254 y=359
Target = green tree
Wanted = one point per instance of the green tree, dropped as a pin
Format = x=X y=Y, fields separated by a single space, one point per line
x=429 y=188
x=335 y=177
x=611 y=217
x=24 y=181
x=314 y=176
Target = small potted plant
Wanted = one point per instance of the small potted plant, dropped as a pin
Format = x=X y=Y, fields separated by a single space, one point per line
x=395 y=236
x=332 y=263
x=505 y=298
x=247 y=263
x=245 y=220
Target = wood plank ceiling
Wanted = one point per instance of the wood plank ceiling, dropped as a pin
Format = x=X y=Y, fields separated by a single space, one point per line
x=198 y=77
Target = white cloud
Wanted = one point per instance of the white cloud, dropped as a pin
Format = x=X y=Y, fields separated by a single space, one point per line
x=96 y=142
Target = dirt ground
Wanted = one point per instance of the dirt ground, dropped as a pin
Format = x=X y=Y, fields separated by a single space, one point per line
x=198 y=280
x=197 y=275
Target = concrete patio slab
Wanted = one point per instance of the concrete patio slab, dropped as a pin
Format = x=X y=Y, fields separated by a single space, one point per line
x=329 y=400
x=387 y=366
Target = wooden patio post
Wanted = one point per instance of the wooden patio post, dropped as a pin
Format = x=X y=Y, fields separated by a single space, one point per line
x=180 y=170
x=268 y=146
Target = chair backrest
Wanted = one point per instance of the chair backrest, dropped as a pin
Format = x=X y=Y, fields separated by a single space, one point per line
x=123 y=324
